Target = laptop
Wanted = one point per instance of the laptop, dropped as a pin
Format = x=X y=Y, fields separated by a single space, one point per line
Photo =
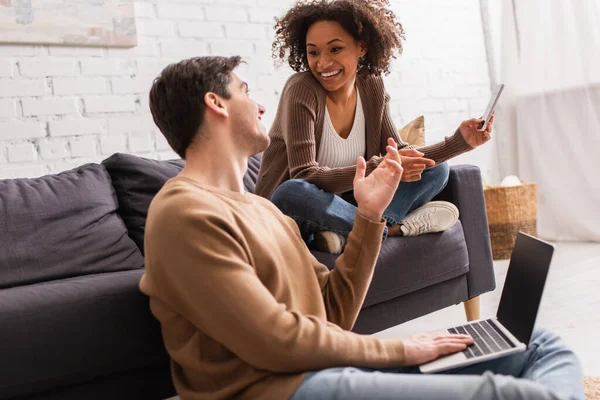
x=510 y=331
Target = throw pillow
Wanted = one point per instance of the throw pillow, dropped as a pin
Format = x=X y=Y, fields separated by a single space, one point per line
x=414 y=132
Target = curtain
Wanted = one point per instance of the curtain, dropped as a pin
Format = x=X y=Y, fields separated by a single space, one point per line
x=547 y=127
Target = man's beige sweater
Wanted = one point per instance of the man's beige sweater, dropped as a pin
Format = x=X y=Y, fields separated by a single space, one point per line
x=245 y=308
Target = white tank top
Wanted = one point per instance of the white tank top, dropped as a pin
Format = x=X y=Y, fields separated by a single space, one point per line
x=337 y=152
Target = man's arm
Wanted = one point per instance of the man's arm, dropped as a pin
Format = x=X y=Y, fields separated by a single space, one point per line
x=206 y=277
x=345 y=287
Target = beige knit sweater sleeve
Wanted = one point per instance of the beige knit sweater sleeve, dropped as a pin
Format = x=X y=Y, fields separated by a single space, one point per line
x=298 y=124
x=345 y=287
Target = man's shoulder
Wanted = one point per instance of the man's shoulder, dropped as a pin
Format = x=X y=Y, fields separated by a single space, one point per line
x=264 y=203
x=180 y=198
x=179 y=190
x=268 y=206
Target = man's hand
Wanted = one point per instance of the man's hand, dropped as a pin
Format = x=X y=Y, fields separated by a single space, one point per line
x=374 y=193
x=413 y=164
x=469 y=132
x=425 y=347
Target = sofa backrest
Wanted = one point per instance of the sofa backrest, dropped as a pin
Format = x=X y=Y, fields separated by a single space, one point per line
x=137 y=180
x=60 y=226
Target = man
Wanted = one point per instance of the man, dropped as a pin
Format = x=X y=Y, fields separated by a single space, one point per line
x=247 y=311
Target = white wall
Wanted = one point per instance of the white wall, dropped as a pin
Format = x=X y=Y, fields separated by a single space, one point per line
x=63 y=106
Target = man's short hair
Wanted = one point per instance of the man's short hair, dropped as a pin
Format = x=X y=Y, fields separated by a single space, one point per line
x=177 y=96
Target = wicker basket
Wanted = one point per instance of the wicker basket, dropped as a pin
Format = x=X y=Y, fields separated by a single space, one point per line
x=510 y=210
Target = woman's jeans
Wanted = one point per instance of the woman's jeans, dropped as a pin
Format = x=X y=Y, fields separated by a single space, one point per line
x=315 y=210
x=548 y=368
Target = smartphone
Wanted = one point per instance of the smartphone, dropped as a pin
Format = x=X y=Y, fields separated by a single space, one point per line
x=490 y=107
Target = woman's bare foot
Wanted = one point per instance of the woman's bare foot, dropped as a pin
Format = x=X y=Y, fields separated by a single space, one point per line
x=395 y=231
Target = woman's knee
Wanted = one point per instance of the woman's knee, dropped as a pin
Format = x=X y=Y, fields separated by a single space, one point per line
x=292 y=191
x=437 y=175
x=440 y=172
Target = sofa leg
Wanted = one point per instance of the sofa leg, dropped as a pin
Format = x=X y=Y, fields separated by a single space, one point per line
x=472 y=308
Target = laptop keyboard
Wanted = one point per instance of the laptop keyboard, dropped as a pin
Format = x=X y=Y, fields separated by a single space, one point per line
x=486 y=337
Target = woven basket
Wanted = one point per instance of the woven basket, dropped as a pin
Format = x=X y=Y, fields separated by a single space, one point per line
x=510 y=210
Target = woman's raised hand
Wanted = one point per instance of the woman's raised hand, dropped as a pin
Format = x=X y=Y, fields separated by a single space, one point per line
x=473 y=137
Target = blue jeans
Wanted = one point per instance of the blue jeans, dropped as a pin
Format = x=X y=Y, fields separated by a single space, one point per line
x=549 y=370
x=316 y=210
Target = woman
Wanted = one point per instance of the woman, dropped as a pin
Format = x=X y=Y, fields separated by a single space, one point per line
x=335 y=109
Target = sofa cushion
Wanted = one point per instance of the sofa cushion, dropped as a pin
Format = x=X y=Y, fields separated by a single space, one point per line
x=74 y=330
x=137 y=180
x=407 y=264
x=60 y=226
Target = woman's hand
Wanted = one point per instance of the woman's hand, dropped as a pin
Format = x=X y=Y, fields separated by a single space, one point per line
x=425 y=347
x=374 y=193
x=413 y=164
x=472 y=136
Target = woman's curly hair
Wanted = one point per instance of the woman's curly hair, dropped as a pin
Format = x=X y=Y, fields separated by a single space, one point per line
x=368 y=20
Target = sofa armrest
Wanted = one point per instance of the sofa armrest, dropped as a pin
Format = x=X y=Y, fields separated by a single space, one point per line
x=465 y=190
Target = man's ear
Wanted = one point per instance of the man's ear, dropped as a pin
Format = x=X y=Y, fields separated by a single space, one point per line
x=216 y=104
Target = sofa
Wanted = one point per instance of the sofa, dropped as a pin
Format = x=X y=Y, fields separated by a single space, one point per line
x=74 y=324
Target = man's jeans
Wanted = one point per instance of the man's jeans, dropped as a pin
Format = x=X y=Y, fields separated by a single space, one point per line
x=549 y=370
x=315 y=210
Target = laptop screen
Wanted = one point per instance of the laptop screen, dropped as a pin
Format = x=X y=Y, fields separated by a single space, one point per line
x=524 y=285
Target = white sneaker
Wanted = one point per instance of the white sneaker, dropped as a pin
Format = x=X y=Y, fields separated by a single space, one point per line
x=435 y=216
x=329 y=242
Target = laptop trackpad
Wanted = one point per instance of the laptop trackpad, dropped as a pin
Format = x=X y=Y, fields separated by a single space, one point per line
x=443 y=363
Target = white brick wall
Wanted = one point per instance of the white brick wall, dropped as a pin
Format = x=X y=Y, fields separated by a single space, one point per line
x=180 y=11
x=6 y=68
x=76 y=127
x=22 y=87
x=140 y=84
x=106 y=67
x=246 y=31
x=74 y=86
x=203 y=30
x=183 y=48
x=49 y=106
x=8 y=108
x=61 y=106
x=111 y=144
x=109 y=104
x=84 y=146
x=48 y=66
x=226 y=14
x=22 y=152
x=155 y=28
x=53 y=148
x=21 y=130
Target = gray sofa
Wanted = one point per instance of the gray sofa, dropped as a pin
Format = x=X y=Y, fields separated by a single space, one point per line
x=74 y=324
